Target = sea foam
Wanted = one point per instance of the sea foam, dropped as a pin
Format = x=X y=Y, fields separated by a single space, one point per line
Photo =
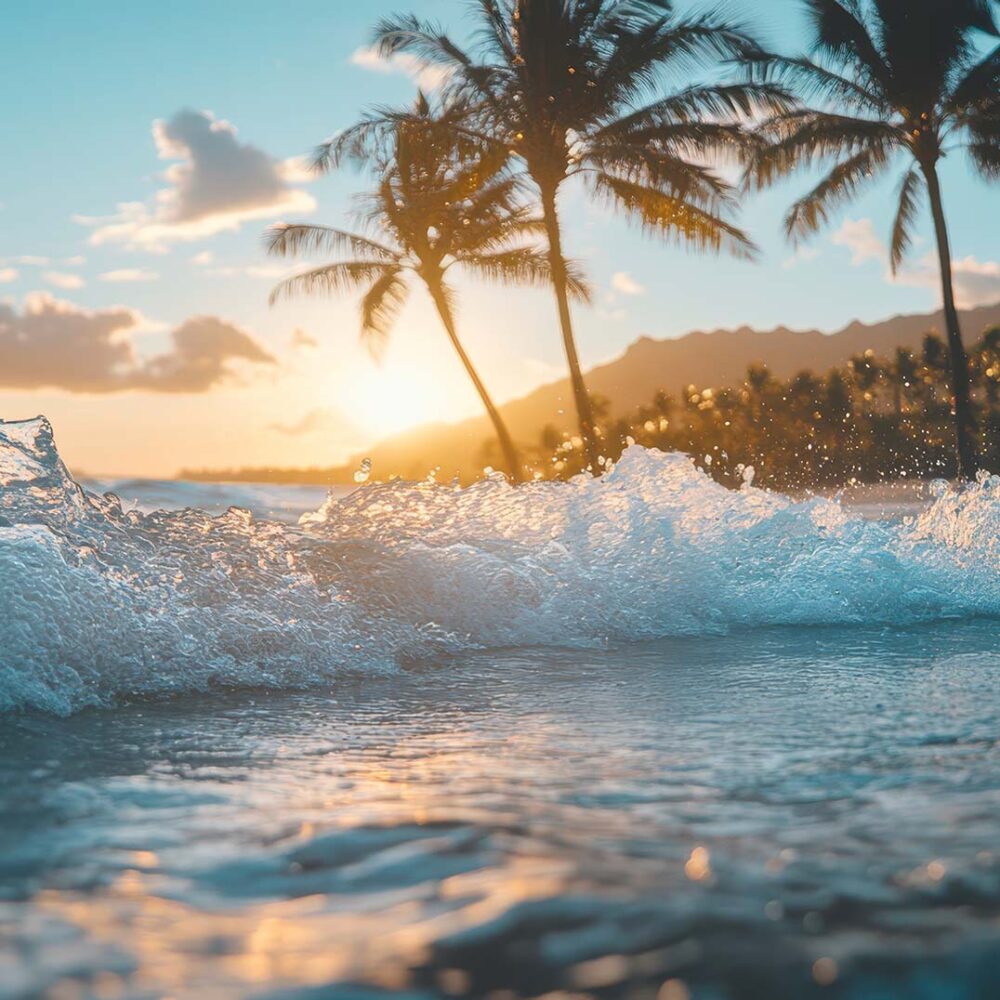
x=99 y=603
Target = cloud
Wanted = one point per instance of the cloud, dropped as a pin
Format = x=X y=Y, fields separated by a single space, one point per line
x=202 y=349
x=326 y=422
x=302 y=339
x=976 y=283
x=8 y=274
x=253 y=271
x=626 y=284
x=800 y=255
x=60 y=279
x=216 y=184
x=424 y=76
x=129 y=274
x=204 y=258
x=58 y=345
x=33 y=260
x=859 y=236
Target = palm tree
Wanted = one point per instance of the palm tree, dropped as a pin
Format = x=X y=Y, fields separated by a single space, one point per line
x=569 y=87
x=889 y=77
x=441 y=201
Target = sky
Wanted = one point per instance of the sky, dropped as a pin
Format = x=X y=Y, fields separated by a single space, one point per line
x=147 y=146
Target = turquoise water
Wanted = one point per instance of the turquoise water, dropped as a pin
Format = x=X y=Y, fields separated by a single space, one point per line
x=636 y=737
x=738 y=816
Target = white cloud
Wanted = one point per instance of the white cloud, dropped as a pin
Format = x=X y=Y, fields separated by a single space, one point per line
x=33 y=261
x=203 y=259
x=800 y=255
x=626 y=284
x=302 y=339
x=425 y=76
x=8 y=274
x=976 y=282
x=216 y=184
x=61 y=279
x=297 y=170
x=56 y=344
x=859 y=236
x=128 y=274
x=253 y=271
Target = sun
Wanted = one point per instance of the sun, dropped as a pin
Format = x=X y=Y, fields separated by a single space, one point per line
x=390 y=399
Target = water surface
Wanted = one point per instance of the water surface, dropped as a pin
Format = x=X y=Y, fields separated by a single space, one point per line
x=639 y=736
x=742 y=815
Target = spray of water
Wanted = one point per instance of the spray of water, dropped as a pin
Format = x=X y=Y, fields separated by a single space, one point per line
x=100 y=604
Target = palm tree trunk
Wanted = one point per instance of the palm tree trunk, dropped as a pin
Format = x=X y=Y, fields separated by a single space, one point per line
x=965 y=427
x=499 y=427
x=557 y=264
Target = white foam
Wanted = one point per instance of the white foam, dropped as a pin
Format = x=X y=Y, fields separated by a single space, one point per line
x=100 y=604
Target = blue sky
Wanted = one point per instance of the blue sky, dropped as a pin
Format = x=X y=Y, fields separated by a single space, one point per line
x=85 y=84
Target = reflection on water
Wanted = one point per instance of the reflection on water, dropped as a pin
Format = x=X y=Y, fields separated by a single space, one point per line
x=780 y=814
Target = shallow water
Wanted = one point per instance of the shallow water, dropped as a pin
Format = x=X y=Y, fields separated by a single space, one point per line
x=724 y=812
x=634 y=737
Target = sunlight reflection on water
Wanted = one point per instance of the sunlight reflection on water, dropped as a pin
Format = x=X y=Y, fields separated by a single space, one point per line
x=740 y=817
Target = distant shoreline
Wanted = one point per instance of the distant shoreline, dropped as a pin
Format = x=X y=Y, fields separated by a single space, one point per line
x=314 y=476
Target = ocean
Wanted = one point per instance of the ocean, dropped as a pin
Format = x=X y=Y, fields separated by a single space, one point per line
x=640 y=736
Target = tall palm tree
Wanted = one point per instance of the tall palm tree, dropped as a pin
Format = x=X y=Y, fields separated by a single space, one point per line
x=889 y=79
x=570 y=88
x=440 y=201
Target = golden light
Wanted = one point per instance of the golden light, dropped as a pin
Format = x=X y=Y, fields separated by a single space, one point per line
x=389 y=399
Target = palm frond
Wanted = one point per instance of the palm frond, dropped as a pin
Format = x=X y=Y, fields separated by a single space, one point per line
x=523 y=265
x=810 y=81
x=671 y=175
x=293 y=239
x=803 y=138
x=699 y=105
x=980 y=82
x=640 y=54
x=986 y=157
x=902 y=234
x=673 y=218
x=331 y=279
x=842 y=183
x=839 y=31
x=380 y=307
x=426 y=40
x=576 y=281
x=362 y=141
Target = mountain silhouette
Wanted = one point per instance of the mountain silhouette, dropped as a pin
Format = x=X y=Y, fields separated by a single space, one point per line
x=705 y=359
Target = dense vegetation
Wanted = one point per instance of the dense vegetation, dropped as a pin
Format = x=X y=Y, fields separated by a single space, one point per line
x=874 y=419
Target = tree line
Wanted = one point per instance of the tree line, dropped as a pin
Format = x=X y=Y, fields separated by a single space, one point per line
x=598 y=92
x=873 y=419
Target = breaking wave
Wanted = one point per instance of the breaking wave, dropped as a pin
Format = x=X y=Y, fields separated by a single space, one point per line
x=100 y=603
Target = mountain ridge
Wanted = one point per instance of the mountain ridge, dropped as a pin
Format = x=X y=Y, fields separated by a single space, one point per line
x=703 y=358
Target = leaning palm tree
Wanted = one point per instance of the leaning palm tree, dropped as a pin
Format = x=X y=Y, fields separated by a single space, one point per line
x=889 y=79
x=441 y=201
x=570 y=88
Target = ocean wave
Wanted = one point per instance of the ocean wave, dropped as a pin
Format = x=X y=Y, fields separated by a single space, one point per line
x=101 y=603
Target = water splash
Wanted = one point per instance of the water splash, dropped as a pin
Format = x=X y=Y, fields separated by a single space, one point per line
x=102 y=604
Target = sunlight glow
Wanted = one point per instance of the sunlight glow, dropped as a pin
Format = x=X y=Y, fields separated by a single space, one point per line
x=386 y=400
